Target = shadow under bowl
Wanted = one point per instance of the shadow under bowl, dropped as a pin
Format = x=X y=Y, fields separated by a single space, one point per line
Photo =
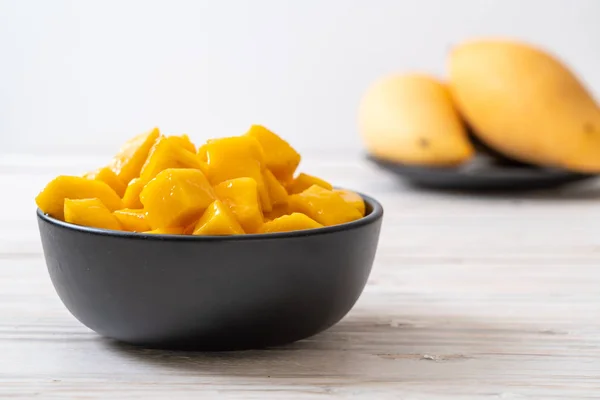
x=210 y=292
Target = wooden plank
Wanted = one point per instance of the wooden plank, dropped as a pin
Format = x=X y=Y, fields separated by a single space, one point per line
x=491 y=297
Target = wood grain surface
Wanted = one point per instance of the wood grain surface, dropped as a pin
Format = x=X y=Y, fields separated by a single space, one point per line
x=471 y=297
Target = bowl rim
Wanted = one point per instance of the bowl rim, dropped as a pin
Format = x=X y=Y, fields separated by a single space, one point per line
x=375 y=214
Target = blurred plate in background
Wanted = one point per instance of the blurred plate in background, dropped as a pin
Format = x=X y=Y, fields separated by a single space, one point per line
x=483 y=173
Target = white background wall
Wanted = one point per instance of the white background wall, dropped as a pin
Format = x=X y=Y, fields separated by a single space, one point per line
x=74 y=73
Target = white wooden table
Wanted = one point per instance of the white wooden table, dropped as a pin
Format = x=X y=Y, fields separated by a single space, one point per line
x=491 y=297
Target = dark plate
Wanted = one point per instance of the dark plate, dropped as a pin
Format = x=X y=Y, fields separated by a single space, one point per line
x=210 y=292
x=485 y=172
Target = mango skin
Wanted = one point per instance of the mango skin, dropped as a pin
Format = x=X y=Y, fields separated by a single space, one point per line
x=410 y=119
x=526 y=104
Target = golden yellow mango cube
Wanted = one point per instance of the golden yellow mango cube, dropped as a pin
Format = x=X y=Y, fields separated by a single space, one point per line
x=131 y=198
x=132 y=220
x=176 y=197
x=352 y=198
x=90 y=212
x=184 y=142
x=304 y=181
x=277 y=212
x=237 y=157
x=177 y=230
x=128 y=162
x=280 y=157
x=109 y=177
x=168 y=152
x=51 y=200
x=277 y=193
x=218 y=220
x=288 y=223
x=324 y=206
x=241 y=196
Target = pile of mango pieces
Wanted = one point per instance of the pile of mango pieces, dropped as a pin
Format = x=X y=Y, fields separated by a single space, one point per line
x=229 y=186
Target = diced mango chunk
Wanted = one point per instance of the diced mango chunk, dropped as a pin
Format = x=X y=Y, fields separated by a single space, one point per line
x=184 y=142
x=131 y=198
x=160 y=184
x=324 y=206
x=218 y=220
x=175 y=197
x=108 y=176
x=177 y=230
x=132 y=155
x=280 y=157
x=304 y=181
x=189 y=229
x=237 y=157
x=90 y=212
x=132 y=220
x=51 y=200
x=277 y=212
x=241 y=196
x=353 y=199
x=168 y=152
x=292 y=222
x=277 y=193
x=203 y=154
x=203 y=159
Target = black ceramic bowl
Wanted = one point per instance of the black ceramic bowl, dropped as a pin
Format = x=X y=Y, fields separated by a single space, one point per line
x=210 y=293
